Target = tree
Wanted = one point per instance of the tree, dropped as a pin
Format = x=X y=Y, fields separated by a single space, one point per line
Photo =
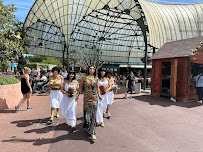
x=36 y=58
x=51 y=60
x=13 y=35
x=44 y=60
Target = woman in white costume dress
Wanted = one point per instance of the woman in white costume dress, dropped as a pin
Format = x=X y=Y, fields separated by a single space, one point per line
x=104 y=86
x=68 y=106
x=55 y=83
x=110 y=93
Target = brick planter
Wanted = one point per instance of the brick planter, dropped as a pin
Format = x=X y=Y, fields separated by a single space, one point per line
x=10 y=95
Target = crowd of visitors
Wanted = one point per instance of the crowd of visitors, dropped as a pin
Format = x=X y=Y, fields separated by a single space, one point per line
x=122 y=79
x=37 y=73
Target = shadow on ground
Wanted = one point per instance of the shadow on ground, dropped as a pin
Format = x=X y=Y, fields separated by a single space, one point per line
x=25 y=123
x=165 y=102
x=78 y=134
x=8 y=111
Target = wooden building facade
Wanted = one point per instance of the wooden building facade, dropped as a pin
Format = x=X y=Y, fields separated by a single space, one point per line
x=172 y=69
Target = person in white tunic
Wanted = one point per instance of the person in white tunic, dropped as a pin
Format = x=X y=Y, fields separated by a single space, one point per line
x=68 y=106
x=110 y=93
x=104 y=86
x=55 y=83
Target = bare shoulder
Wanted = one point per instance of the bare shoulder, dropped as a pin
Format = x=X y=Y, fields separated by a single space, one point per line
x=26 y=76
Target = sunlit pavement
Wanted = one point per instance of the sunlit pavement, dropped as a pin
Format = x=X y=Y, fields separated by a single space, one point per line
x=141 y=124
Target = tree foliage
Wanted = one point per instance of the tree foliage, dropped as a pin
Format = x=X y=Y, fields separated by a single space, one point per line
x=13 y=36
x=44 y=60
x=36 y=58
x=51 y=60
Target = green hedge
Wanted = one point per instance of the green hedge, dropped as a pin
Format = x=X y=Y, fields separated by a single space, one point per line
x=8 y=79
x=30 y=65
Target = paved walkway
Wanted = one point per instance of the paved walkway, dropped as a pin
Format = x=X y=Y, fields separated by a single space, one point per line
x=141 y=124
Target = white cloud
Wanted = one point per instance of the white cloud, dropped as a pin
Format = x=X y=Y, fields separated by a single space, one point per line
x=20 y=7
x=177 y=1
x=168 y=2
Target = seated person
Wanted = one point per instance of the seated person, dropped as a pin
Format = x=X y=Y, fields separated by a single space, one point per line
x=42 y=80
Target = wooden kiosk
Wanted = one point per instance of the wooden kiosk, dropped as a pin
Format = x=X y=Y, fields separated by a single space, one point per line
x=173 y=67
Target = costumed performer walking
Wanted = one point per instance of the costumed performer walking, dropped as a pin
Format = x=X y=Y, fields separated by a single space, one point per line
x=90 y=100
x=68 y=106
x=55 y=83
x=104 y=86
x=110 y=93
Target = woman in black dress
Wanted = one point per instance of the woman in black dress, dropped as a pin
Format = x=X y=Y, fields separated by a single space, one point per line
x=25 y=89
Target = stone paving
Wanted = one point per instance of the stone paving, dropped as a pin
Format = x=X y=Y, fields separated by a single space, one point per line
x=141 y=124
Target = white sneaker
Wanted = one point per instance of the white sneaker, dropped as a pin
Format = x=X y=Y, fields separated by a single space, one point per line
x=199 y=101
x=125 y=96
x=173 y=99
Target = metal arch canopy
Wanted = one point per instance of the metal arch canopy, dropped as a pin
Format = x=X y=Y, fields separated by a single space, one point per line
x=74 y=20
x=165 y=23
x=116 y=34
x=48 y=41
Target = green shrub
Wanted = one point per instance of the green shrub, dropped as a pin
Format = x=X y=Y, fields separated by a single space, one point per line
x=44 y=65
x=8 y=79
x=30 y=65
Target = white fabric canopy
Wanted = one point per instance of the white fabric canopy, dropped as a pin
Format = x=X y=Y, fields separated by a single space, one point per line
x=110 y=25
x=172 y=22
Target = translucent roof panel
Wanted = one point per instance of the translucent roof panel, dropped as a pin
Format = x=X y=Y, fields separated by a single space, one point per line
x=115 y=34
x=172 y=22
x=118 y=28
x=47 y=39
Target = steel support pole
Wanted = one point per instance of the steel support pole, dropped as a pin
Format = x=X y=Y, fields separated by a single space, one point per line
x=154 y=50
x=68 y=65
x=145 y=66
x=64 y=55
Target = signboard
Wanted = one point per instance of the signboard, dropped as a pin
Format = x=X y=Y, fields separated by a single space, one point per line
x=14 y=65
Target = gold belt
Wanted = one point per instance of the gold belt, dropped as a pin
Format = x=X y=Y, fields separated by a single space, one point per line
x=90 y=101
x=55 y=88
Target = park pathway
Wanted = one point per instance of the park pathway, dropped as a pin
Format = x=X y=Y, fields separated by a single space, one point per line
x=141 y=124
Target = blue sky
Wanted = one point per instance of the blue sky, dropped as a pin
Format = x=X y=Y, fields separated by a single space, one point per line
x=24 y=5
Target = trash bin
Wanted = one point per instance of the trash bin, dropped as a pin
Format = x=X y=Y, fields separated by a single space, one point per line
x=137 y=88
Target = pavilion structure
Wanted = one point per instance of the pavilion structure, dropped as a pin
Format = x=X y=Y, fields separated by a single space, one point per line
x=122 y=30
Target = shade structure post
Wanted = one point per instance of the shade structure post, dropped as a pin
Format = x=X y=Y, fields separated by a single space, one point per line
x=68 y=65
x=64 y=55
x=145 y=66
x=154 y=50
